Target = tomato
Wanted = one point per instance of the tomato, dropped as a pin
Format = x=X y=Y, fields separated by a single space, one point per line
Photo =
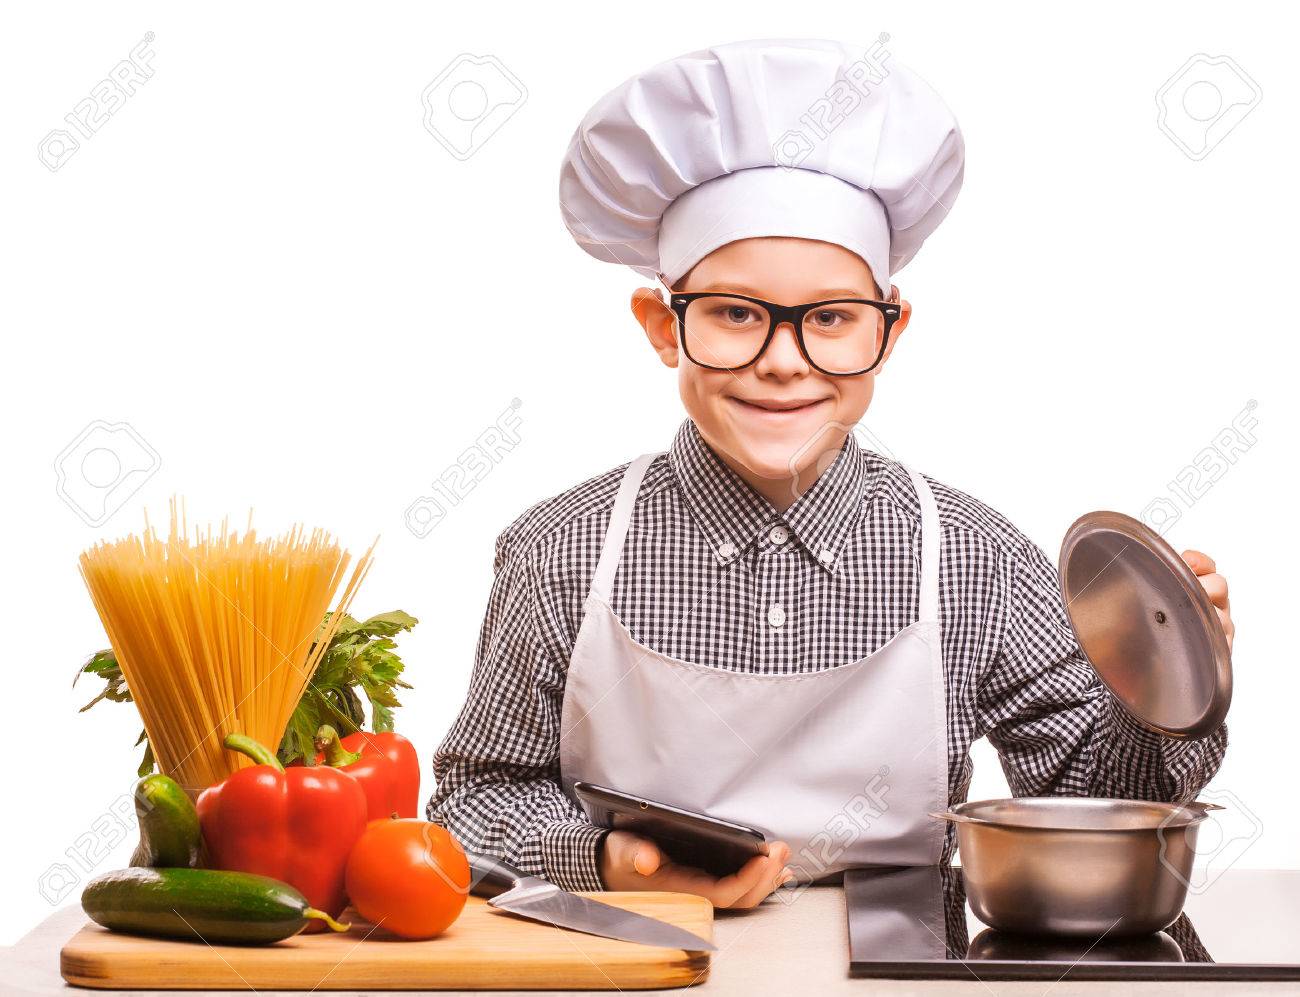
x=410 y=876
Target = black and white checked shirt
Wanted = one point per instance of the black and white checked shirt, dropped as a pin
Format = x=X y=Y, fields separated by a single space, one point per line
x=699 y=572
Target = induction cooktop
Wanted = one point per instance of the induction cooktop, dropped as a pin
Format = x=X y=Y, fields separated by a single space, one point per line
x=914 y=923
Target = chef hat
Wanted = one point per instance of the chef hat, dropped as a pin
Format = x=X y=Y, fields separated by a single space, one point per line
x=809 y=139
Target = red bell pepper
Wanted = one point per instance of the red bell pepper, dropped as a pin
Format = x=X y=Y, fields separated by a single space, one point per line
x=297 y=826
x=386 y=765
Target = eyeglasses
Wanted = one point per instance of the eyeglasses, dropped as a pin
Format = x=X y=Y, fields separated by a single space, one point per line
x=841 y=337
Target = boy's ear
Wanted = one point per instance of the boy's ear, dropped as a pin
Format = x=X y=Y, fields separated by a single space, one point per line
x=904 y=307
x=900 y=323
x=658 y=321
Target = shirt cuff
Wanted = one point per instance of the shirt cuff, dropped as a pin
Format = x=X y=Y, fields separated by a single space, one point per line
x=571 y=854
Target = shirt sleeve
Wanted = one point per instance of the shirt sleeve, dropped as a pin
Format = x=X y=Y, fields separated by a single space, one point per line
x=1058 y=729
x=497 y=770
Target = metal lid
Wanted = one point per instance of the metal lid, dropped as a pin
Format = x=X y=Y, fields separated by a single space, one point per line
x=1146 y=625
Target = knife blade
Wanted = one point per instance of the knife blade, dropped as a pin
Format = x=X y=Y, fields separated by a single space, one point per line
x=532 y=897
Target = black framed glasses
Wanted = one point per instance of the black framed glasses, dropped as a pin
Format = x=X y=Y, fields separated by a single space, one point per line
x=841 y=337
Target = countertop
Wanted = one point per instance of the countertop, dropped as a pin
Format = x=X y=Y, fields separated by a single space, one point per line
x=779 y=948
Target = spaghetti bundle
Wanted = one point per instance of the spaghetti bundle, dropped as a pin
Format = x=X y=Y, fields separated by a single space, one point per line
x=217 y=634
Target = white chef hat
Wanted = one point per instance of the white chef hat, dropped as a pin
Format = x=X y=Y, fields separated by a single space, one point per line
x=810 y=139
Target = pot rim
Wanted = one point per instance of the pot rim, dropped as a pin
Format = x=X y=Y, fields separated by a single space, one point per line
x=1179 y=815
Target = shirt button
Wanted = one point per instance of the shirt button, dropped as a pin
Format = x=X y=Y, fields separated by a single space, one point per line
x=779 y=535
x=826 y=556
x=776 y=616
x=726 y=550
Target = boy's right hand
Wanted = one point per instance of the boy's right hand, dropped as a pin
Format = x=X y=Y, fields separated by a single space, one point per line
x=631 y=862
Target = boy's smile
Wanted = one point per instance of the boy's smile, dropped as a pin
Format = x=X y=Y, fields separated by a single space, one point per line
x=779 y=417
x=780 y=410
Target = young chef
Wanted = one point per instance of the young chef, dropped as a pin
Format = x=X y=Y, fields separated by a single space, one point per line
x=768 y=623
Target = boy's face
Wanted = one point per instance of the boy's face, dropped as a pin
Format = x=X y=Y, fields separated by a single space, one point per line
x=778 y=422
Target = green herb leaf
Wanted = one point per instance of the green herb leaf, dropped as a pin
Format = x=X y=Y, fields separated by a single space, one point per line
x=383 y=719
x=360 y=654
x=99 y=663
x=147 y=762
x=104 y=664
x=388 y=624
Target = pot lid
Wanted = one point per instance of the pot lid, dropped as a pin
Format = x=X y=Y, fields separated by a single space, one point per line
x=1146 y=625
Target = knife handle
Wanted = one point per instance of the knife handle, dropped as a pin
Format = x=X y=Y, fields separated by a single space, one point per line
x=489 y=875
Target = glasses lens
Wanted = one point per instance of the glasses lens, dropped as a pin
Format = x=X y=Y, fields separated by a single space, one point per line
x=725 y=332
x=844 y=337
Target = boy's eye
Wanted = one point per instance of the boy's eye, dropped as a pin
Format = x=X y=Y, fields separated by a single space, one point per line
x=738 y=314
x=825 y=318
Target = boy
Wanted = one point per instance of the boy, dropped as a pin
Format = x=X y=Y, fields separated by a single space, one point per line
x=769 y=624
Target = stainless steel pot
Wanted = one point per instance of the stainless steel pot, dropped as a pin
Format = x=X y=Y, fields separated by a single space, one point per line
x=1077 y=866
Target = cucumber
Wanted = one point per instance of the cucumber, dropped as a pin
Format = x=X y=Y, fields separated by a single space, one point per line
x=169 y=825
x=222 y=908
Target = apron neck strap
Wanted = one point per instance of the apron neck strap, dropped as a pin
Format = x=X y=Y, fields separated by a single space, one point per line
x=931 y=541
x=603 y=581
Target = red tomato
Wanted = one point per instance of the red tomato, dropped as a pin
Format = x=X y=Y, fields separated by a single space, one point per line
x=410 y=876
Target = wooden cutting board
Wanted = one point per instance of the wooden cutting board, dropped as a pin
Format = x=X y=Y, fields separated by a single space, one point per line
x=484 y=950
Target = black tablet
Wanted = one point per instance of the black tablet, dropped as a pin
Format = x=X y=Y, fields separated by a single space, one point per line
x=719 y=847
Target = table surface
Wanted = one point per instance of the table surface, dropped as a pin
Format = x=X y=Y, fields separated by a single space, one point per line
x=797 y=947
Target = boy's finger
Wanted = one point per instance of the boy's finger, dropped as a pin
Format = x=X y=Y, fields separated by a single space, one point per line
x=730 y=889
x=1216 y=587
x=1225 y=621
x=646 y=858
x=688 y=879
x=760 y=875
x=774 y=875
x=1200 y=563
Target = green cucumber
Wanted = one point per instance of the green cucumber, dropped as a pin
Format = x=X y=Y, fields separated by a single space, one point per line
x=222 y=908
x=169 y=825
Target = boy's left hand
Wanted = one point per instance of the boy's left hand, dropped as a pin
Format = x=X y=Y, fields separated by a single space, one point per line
x=1216 y=586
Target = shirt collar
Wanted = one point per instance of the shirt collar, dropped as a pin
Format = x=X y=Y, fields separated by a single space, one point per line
x=727 y=511
x=822 y=518
x=731 y=515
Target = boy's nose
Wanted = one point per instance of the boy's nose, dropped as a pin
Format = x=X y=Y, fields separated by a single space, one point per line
x=782 y=358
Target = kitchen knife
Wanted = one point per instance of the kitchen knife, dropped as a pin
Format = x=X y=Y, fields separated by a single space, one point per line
x=510 y=890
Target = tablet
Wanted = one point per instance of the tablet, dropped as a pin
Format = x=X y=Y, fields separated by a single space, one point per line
x=719 y=847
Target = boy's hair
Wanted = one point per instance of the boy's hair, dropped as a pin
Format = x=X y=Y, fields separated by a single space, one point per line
x=680 y=283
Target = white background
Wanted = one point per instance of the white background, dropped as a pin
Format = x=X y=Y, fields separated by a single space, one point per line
x=267 y=266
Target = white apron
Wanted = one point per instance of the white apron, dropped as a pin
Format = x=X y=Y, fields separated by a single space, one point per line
x=843 y=764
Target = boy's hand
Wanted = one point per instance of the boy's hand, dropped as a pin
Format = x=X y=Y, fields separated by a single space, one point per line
x=630 y=862
x=1215 y=585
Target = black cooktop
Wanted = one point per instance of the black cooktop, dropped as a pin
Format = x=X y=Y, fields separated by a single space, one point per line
x=915 y=924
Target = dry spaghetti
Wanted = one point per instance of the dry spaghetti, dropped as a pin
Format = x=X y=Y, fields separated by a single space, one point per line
x=217 y=634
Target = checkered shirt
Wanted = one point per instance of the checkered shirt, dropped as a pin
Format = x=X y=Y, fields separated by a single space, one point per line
x=700 y=571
